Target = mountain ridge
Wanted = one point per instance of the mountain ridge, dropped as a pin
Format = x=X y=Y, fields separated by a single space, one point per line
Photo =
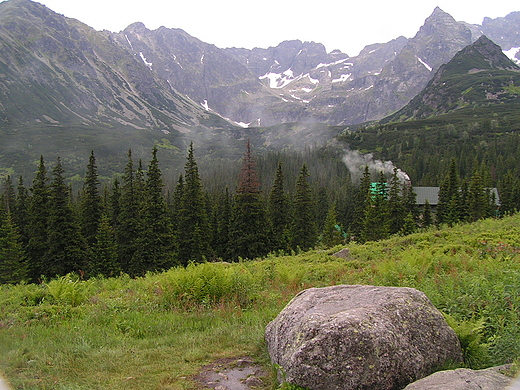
x=479 y=74
x=65 y=84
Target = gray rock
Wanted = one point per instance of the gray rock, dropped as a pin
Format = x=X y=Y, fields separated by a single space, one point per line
x=360 y=337
x=463 y=379
x=343 y=254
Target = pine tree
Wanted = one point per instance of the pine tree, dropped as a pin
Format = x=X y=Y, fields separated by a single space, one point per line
x=177 y=208
x=362 y=200
x=37 y=223
x=409 y=225
x=478 y=198
x=114 y=206
x=448 y=208
x=66 y=247
x=322 y=208
x=9 y=197
x=463 y=214
x=155 y=243
x=222 y=226
x=411 y=210
x=193 y=224
x=249 y=231
x=129 y=219
x=20 y=214
x=332 y=232
x=91 y=202
x=376 y=218
x=303 y=228
x=140 y=182
x=427 y=218
x=396 y=205
x=105 y=252
x=13 y=263
x=278 y=211
x=507 y=188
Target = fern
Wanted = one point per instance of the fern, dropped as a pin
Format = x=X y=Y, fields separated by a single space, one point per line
x=475 y=349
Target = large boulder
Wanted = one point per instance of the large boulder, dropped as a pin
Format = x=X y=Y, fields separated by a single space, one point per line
x=360 y=337
x=463 y=379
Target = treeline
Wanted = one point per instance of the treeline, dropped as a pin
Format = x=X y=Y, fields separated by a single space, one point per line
x=135 y=226
x=425 y=148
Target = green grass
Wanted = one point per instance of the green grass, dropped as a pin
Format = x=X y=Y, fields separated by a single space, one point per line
x=158 y=331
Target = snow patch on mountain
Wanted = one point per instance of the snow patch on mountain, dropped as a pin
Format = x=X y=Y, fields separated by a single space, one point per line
x=511 y=54
x=149 y=64
x=424 y=63
x=322 y=65
x=342 y=78
x=130 y=43
x=279 y=80
x=177 y=62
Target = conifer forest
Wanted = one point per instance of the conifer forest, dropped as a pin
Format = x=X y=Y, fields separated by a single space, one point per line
x=138 y=222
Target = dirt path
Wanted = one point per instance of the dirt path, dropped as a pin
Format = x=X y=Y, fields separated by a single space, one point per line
x=239 y=373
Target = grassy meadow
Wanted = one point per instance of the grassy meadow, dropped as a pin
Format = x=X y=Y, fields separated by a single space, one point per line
x=158 y=331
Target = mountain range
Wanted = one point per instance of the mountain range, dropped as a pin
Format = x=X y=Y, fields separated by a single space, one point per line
x=300 y=82
x=66 y=88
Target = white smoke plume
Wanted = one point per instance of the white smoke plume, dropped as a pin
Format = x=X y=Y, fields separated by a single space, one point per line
x=356 y=163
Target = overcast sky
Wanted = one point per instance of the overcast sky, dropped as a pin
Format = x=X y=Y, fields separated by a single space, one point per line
x=338 y=24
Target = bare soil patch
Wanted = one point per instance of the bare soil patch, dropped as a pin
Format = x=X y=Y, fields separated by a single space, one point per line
x=239 y=373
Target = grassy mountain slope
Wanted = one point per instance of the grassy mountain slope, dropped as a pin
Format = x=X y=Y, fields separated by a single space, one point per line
x=159 y=331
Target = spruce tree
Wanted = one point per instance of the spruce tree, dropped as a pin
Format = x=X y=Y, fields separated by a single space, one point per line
x=155 y=243
x=448 y=208
x=193 y=224
x=129 y=219
x=376 y=226
x=361 y=203
x=396 y=205
x=20 y=216
x=463 y=201
x=91 y=202
x=222 y=226
x=507 y=189
x=13 y=262
x=279 y=211
x=37 y=223
x=427 y=218
x=322 y=207
x=67 y=250
x=303 y=228
x=249 y=230
x=105 y=258
x=411 y=210
x=332 y=234
x=478 y=198
x=9 y=197
x=114 y=206
x=176 y=208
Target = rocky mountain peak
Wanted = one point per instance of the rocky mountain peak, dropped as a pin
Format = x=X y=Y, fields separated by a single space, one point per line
x=483 y=54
